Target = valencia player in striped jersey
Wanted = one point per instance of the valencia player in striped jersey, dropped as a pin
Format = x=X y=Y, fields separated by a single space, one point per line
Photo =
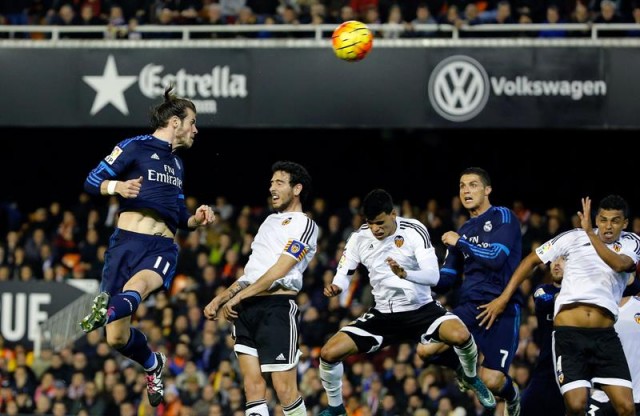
x=402 y=267
x=586 y=348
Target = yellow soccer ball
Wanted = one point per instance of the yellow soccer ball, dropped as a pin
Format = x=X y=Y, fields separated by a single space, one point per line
x=352 y=41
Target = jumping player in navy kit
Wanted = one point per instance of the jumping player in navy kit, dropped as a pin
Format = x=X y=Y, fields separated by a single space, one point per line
x=147 y=176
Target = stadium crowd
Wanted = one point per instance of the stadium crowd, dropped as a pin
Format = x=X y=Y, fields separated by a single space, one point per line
x=58 y=243
x=122 y=18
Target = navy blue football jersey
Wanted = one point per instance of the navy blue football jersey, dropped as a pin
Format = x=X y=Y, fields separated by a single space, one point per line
x=162 y=175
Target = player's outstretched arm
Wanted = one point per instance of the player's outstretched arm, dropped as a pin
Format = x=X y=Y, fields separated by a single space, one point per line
x=491 y=310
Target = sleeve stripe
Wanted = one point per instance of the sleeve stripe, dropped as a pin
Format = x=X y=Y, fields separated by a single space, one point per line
x=96 y=177
x=308 y=231
x=420 y=229
x=449 y=271
x=491 y=252
x=554 y=239
x=633 y=237
x=506 y=214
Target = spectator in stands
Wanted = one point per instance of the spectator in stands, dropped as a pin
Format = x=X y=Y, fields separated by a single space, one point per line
x=608 y=15
x=553 y=17
x=142 y=253
x=423 y=17
x=503 y=16
x=265 y=326
x=87 y=18
x=65 y=16
x=231 y=9
x=580 y=14
x=402 y=266
x=396 y=23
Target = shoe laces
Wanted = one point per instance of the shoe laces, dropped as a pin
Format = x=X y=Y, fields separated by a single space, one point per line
x=154 y=380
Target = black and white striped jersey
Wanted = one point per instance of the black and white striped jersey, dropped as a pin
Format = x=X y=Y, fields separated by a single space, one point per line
x=410 y=246
x=286 y=233
x=587 y=278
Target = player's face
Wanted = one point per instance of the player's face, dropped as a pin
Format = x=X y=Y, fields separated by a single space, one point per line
x=186 y=131
x=557 y=269
x=610 y=224
x=383 y=225
x=473 y=193
x=282 y=193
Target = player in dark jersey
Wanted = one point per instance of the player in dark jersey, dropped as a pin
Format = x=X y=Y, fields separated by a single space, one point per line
x=486 y=250
x=141 y=258
x=542 y=395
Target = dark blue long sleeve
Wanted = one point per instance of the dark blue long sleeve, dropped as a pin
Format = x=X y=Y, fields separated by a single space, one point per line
x=162 y=178
x=487 y=254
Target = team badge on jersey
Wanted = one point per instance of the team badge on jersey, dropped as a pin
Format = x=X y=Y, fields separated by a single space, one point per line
x=286 y=221
x=637 y=318
x=296 y=249
x=343 y=260
x=399 y=241
x=113 y=156
x=617 y=247
x=543 y=249
x=559 y=372
x=487 y=226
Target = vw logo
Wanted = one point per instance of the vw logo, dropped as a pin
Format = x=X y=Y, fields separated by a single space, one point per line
x=458 y=88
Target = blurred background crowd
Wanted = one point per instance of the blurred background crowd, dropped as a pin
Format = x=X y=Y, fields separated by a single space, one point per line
x=60 y=242
x=122 y=18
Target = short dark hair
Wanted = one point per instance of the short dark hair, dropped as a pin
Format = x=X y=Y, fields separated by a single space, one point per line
x=614 y=203
x=298 y=175
x=171 y=106
x=483 y=174
x=377 y=202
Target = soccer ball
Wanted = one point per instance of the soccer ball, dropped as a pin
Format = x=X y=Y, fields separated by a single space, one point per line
x=352 y=41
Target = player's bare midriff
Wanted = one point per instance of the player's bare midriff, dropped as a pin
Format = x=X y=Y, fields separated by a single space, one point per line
x=278 y=291
x=143 y=222
x=584 y=315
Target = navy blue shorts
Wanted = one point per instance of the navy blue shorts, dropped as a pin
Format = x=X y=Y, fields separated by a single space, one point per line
x=498 y=344
x=542 y=397
x=130 y=252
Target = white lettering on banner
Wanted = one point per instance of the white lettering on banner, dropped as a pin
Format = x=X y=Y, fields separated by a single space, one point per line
x=36 y=314
x=16 y=308
x=459 y=88
x=219 y=83
x=523 y=86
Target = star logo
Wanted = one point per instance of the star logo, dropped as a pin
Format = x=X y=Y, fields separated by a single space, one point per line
x=110 y=88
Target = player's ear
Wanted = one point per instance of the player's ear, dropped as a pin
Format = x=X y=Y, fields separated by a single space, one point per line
x=487 y=190
x=297 y=189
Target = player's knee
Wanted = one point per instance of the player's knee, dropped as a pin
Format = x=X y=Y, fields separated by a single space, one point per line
x=494 y=380
x=576 y=404
x=427 y=350
x=459 y=336
x=454 y=332
x=117 y=341
x=329 y=354
x=625 y=408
